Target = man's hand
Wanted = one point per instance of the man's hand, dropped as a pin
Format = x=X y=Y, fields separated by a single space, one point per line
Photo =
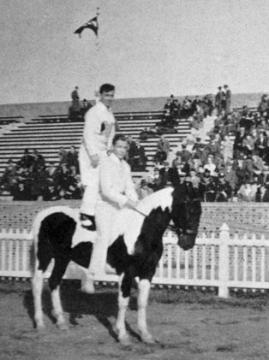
x=131 y=204
x=94 y=160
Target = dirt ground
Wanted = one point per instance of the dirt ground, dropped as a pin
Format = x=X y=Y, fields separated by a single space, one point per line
x=187 y=325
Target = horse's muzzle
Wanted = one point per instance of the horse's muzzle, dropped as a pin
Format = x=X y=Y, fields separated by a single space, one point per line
x=187 y=241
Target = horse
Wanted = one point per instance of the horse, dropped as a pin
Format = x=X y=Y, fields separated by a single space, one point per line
x=134 y=252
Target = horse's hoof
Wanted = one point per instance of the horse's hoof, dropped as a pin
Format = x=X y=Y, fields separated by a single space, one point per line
x=62 y=326
x=148 y=338
x=40 y=327
x=125 y=340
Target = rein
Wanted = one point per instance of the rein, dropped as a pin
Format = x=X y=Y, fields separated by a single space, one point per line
x=170 y=227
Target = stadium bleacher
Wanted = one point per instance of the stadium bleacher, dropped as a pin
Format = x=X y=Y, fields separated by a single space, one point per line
x=48 y=133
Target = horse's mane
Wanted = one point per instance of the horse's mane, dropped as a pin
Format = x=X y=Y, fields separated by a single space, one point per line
x=161 y=198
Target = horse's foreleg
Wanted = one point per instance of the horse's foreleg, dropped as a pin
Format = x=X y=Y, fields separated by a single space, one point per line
x=54 y=284
x=123 y=301
x=143 y=295
x=37 y=286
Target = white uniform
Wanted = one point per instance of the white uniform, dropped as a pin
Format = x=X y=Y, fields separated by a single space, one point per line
x=116 y=188
x=98 y=134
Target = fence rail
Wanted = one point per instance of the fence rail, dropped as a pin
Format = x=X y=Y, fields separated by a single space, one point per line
x=219 y=260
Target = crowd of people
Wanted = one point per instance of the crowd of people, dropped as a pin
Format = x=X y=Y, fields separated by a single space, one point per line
x=31 y=178
x=225 y=156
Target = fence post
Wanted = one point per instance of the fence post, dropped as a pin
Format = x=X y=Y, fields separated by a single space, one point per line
x=223 y=290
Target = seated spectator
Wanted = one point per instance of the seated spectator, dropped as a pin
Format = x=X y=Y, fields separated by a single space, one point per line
x=227 y=148
x=261 y=144
x=223 y=189
x=85 y=106
x=146 y=133
x=163 y=148
x=72 y=158
x=209 y=187
x=26 y=160
x=210 y=165
x=62 y=155
x=247 y=191
x=184 y=153
x=137 y=158
x=38 y=160
x=248 y=145
x=230 y=176
x=8 y=178
x=178 y=172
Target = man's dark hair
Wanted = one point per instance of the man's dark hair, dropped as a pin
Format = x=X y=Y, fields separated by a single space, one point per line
x=106 y=88
x=118 y=137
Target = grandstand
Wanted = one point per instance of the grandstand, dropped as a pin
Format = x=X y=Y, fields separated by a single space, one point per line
x=48 y=133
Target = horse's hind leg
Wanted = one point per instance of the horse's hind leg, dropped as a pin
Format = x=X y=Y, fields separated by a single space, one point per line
x=37 y=286
x=143 y=294
x=54 y=284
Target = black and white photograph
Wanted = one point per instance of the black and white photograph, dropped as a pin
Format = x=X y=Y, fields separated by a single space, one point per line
x=134 y=179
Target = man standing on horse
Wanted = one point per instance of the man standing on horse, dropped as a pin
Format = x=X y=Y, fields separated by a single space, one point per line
x=98 y=133
x=116 y=191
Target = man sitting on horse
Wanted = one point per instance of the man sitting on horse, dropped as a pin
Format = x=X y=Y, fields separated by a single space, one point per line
x=116 y=191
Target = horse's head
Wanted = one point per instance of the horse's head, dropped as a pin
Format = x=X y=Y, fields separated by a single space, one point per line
x=186 y=212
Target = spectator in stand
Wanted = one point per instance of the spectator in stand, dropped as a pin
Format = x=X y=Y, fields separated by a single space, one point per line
x=62 y=156
x=178 y=172
x=262 y=194
x=163 y=148
x=210 y=165
x=137 y=158
x=26 y=160
x=72 y=158
x=85 y=106
x=228 y=99
x=219 y=99
x=261 y=144
x=223 y=189
x=209 y=187
x=75 y=96
x=230 y=176
x=38 y=160
x=227 y=148
x=248 y=144
x=238 y=142
x=247 y=191
x=8 y=178
x=263 y=106
x=184 y=153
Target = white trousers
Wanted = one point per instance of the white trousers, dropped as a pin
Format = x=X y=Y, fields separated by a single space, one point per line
x=90 y=180
x=105 y=218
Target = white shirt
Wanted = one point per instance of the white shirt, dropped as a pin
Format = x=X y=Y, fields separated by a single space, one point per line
x=116 y=184
x=95 y=139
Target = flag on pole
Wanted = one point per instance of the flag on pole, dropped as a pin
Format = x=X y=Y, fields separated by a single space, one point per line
x=91 y=24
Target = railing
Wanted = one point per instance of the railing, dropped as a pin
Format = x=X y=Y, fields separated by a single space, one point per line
x=220 y=260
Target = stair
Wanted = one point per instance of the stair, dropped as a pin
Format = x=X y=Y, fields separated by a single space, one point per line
x=49 y=134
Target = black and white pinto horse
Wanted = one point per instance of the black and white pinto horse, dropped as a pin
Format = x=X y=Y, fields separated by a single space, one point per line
x=135 y=251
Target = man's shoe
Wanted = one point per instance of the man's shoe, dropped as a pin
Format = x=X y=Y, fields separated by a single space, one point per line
x=87 y=222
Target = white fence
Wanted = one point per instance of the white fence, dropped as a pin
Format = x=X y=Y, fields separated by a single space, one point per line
x=219 y=260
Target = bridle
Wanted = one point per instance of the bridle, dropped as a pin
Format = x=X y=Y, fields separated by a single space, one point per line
x=174 y=228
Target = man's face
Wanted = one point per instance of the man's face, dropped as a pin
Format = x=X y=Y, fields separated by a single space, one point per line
x=120 y=149
x=107 y=97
